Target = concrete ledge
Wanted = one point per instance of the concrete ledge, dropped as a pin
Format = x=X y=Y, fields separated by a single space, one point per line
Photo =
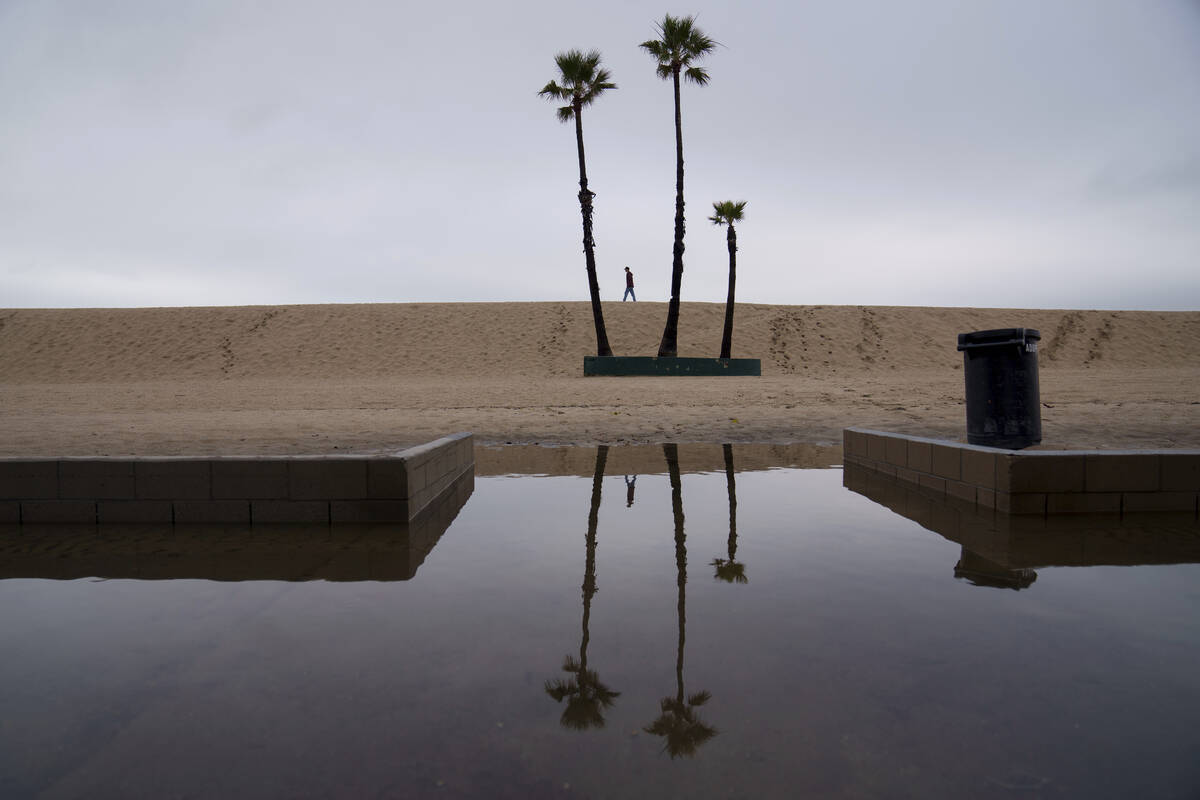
x=629 y=366
x=1034 y=482
x=388 y=488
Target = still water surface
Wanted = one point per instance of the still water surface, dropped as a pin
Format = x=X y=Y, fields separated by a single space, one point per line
x=579 y=637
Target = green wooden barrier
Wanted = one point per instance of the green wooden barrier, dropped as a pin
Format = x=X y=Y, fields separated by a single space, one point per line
x=653 y=366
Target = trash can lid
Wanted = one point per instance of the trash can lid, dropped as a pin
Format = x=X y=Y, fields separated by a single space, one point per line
x=997 y=337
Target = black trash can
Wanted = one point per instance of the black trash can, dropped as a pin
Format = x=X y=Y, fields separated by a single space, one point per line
x=1003 y=400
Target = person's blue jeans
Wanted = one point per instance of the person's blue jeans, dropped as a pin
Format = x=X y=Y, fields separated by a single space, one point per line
x=628 y=294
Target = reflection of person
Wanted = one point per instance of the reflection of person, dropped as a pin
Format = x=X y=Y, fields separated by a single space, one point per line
x=629 y=286
x=629 y=484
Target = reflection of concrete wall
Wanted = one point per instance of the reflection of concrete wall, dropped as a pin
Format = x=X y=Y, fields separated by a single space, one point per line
x=348 y=552
x=1034 y=481
x=1016 y=542
x=232 y=490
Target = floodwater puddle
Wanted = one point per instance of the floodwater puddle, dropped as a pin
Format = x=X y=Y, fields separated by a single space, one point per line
x=671 y=621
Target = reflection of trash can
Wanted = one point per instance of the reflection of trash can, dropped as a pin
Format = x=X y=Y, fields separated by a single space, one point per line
x=1003 y=400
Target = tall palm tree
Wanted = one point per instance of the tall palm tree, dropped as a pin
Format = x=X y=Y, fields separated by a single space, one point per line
x=583 y=80
x=728 y=212
x=587 y=697
x=680 y=43
x=729 y=570
x=678 y=723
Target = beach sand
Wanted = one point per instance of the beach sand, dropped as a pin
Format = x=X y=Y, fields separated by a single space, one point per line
x=373 y=378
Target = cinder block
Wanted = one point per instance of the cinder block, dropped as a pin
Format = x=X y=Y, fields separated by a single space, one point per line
x=1133 y=502
x=920 y=456
x=251 y=479
x=933 y=482
x=853 y=442
x=876 y=447
x=1121 y=472
x=10 y=512
x=418 y=478
x=439 y=486
x=897 y=451
x=1036 y=473
x=908 y=475
x=985 y=497
x=1180 y=472
x=173 y=480
x=96 y=480
x=946 y=461
x=466 y=448
x=270 y=511
x=148 y=511
x=368 y=511
x=28 y=480
x=189 y=512
x=979 y=468
x=387 y=479
x=1084 y=503
x=327 y=479
x=40 y=511
x=1028 y=503
x=963 y=491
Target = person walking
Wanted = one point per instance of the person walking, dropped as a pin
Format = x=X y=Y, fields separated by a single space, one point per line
x=629 y=286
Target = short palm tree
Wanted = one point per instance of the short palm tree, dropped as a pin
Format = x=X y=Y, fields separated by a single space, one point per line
x=680 y=43
x=587 y=697
x=730 y=570
x=726 y=213
x=583 y=80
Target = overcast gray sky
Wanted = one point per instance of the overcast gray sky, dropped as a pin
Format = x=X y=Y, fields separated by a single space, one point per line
x=1041 y=153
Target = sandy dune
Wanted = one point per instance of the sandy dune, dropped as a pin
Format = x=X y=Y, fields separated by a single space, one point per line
x=364 y=378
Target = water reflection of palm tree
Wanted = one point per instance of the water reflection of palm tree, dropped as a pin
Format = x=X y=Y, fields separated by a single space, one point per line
x=586 y=696
x=678 y=723
x=729 y=570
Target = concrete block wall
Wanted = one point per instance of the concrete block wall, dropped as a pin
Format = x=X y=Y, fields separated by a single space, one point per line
x=228 y=552
x=1034 y=481
x=1027 y=541
x=324 y=489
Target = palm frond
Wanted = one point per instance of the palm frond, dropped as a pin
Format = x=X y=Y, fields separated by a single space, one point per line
x=558 y=689
x=586 y=697
x=553 y=90
x=729 y=571
x=682 y=730
x=655 y=48
x=699 y=698
x=680 y=42
x=583 y=80
x=697 y=43
x=565 y=113
x=727 y=212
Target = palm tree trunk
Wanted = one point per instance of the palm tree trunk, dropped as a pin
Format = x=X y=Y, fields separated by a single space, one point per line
x=589 y=570
x=727 y=334
x=670 y=340
x=585 y=208
x=731 y=490
x=671 y=452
